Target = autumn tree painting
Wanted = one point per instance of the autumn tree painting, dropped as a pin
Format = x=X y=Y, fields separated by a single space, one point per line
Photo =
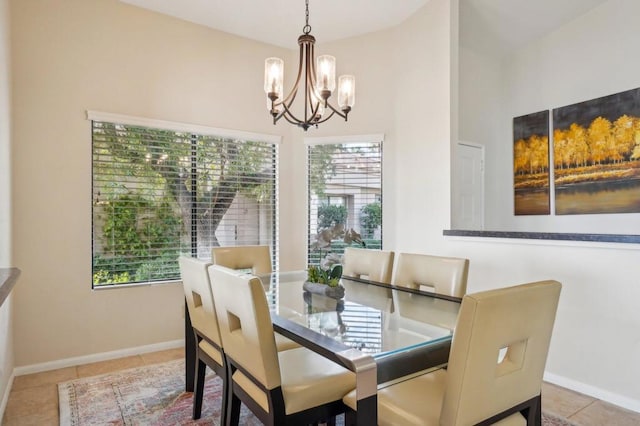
x=596 y=155
x=531 y=164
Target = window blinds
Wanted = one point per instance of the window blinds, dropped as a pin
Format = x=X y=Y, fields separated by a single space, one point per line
x=344 y=188
x=160 y=193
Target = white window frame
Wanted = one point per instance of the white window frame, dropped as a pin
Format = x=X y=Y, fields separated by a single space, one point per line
x=186 y=128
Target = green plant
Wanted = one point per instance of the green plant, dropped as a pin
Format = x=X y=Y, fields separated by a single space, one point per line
x=102 y=277
x=112 y=270
x=135 y=226
x=331 y=215
x=329 y=276
x=371 y=218
x=327 y=272
x=140 y=240
x=162 y=267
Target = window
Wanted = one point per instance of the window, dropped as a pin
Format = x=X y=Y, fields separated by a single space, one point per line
x=344 y=192
x=335 y=201
x=164 y=189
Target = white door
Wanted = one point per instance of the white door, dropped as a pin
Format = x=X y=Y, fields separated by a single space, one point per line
x=468 y=193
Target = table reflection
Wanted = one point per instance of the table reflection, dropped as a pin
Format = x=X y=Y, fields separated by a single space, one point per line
x=375 y=319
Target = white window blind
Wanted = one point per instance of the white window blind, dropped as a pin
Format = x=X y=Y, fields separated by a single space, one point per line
x=344 y=191
x=363 y=327
x=159 y=193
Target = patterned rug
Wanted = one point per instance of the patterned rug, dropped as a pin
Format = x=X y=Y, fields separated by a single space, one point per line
x=154 y=395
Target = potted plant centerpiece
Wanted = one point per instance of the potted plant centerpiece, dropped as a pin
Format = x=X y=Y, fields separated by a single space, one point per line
x=325 y=277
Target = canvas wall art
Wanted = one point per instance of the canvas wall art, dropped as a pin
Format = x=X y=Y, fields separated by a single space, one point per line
x=596 y=148
x=531 y=164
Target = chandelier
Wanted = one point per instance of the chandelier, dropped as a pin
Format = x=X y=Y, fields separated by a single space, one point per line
x=319 y=83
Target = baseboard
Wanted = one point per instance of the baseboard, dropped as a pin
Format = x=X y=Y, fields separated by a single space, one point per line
x=5 y=397
x=104 y=356
x=613 y=398
x=610 y=397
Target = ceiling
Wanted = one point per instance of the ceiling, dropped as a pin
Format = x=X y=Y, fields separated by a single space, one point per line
x=506 y=24
x=501 y=26
x=280 y=22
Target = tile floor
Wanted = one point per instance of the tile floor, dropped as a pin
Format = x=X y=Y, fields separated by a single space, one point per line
x=584 y=410
x=34 y=398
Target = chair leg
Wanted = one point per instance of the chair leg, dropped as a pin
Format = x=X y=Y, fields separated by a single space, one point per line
x=199 y=389
x=233 y=415
x=533 y=411
x=538 y=411
x=224 y=409
x=191 y=350
x=350 y=418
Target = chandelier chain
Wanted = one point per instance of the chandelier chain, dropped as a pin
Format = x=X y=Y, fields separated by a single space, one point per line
x=307 y=28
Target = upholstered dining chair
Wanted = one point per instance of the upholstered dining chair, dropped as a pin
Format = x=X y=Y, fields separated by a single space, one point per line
x=445 y=275
x=197 y=291
x=495 y=369
x=376 y=265
x=256 y=258
x=296 y=386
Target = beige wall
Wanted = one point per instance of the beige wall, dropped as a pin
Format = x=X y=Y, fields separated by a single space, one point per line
x=74 y=55
x=5 y=136
x=6 y=325
x=423 y=127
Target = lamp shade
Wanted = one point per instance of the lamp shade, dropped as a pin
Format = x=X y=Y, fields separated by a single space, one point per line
x=273 y=75
x=326 y=72
x=346 y=91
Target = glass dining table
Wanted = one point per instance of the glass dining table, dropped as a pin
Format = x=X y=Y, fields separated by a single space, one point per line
x=380 y=332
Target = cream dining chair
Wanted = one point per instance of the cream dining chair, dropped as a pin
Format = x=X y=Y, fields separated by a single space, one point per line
x=296 y=386
x=495 y=369
x=197 y=291
x=445 y=275
x=256 y=258
x=376 y=265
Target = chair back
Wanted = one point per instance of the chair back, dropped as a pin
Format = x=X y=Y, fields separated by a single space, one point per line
x=256 y=258
x=520 y=319
x=197 y=291
x=245 y=324
x=447 y=275
x=375 y=265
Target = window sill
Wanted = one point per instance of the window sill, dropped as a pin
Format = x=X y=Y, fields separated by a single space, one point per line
x=104 y=287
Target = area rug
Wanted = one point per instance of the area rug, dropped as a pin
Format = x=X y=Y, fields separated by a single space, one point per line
x=151 y=395
x=154 y=395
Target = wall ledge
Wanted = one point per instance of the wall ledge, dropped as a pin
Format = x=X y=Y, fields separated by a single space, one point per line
x=8 y=278
x=549 y=236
